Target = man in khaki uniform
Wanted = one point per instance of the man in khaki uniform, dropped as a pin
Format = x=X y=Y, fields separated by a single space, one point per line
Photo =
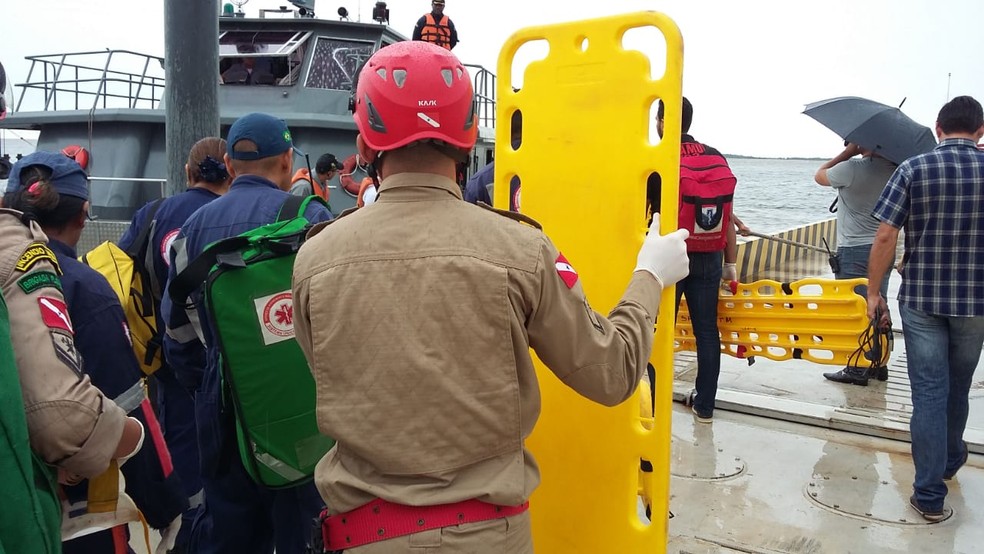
x=416 y=315
x=71 y=424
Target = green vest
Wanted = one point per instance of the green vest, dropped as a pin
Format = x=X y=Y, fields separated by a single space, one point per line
x=30 y=515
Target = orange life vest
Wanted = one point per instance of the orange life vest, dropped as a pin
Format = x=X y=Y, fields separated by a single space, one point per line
x=317 y=188
x=437 y=32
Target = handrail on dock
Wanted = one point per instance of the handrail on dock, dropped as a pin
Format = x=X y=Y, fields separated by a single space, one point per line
x=107 y=76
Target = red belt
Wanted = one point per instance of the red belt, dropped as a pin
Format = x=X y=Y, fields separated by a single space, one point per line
x=380 y=520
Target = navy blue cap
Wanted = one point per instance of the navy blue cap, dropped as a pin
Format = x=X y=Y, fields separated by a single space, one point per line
x=67 y=176
x=270 y=134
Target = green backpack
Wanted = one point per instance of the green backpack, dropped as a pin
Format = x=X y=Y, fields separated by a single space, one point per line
x=30 y=515
x=247 y=286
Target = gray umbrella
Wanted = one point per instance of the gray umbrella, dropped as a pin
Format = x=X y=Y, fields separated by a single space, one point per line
x=874 y=126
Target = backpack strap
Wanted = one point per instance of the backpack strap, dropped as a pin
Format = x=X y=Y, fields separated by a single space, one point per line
x=185 y=282
x=295 y=206
x=139 y=246
x=138 y=252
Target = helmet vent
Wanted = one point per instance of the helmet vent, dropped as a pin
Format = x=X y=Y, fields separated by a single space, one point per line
x=400 y=77
x=460 y=71
x=446 y=74
x=382 y=73
x=375 y=121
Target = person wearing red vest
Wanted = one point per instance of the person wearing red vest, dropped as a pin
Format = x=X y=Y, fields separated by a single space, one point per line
x=436 y=28
x=707 y=188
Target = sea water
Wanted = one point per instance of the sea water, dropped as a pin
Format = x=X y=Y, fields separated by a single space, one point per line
x=778 y=194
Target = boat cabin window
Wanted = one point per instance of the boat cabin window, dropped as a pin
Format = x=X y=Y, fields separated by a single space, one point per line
x=261 y=57
x=335 y=63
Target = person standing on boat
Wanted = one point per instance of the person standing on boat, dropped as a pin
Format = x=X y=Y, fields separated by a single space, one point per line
x=432 y=403
x=325 y=170
x=436 y=28
x=208 y=179
x=53 y=189
x=707 y=188
x=858 y=182
x=243 y=516
x=939 y=198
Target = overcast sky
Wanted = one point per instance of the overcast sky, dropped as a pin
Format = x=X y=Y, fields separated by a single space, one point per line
x=749 y=67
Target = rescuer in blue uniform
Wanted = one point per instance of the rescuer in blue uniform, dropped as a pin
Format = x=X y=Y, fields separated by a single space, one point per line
x=242 y=516
x=53 y=189
x=208 y=179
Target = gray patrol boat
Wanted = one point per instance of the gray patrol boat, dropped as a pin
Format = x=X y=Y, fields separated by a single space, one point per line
x=106 y=107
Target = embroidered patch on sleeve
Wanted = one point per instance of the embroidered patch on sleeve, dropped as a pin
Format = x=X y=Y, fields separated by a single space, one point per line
x=34 y=254
x=65 y=349
x=39 y=280
x=54 y=313
x=566 y=271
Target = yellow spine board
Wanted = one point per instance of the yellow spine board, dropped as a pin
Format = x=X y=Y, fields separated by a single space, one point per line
x=583 y=106
x=820 y=320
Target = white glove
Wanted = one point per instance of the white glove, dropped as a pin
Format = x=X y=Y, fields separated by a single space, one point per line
x=664 y=256
x=168 y=536
x=122 y=459
x=729 y=272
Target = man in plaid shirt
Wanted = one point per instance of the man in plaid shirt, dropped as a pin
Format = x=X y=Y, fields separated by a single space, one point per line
x=939 y=198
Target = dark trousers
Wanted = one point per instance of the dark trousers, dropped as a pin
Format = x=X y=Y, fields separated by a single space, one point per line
x=241 y=516
x=700 y=288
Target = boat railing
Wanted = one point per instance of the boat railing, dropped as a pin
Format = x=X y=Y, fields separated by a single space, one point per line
x=161 y=183
x=112 y=78
x=484 y=83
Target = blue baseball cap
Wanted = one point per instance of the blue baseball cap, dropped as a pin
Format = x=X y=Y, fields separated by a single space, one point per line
x=270 y=134
x=67 y=176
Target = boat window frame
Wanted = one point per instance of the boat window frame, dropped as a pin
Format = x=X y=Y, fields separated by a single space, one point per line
x=293 y=43
x=375 y=47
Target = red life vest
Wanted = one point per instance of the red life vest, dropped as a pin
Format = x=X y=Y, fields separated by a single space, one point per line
x=707 y=188
x=437 y=32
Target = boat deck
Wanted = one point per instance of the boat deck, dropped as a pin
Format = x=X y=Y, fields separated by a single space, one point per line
x=796 y=463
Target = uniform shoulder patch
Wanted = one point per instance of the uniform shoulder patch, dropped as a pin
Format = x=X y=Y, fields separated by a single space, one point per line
x=515 y=216
x=566 y=271
x=36 y=252
x=39 y=280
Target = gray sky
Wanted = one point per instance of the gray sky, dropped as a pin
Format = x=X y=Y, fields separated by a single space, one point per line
x=749 y=67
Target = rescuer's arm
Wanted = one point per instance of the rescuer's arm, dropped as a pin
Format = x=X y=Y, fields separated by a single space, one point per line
x=603 y=358
x=71 y=424
x=730 y=271
x=821 y=177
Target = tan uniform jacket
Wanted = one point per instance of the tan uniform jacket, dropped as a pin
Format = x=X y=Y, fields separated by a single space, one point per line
x=70 y=423
x=417 y=315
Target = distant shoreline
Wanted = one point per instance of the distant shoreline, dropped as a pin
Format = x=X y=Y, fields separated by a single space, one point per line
x=741 y=157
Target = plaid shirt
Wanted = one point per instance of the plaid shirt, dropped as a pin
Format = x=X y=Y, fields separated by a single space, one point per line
x=939 y=198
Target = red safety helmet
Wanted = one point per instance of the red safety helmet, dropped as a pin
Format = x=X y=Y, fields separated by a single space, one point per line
x=411 y=91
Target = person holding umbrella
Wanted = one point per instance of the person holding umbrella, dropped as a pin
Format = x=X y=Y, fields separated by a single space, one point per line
x=938 y=197
x=884 y=137
x=859 y=183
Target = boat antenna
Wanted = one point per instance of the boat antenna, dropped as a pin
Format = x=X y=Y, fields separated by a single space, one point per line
x=239 y=4
x=948 y=75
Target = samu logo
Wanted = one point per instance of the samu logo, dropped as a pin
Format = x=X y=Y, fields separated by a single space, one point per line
x=426 y=103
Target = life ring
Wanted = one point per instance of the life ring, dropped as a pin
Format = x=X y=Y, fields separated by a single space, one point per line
x=349 y=183
x=77 y=153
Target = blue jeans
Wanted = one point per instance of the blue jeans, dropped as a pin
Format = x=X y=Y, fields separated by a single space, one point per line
x=942 y=355
x=854 y=263
x=701 y=290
